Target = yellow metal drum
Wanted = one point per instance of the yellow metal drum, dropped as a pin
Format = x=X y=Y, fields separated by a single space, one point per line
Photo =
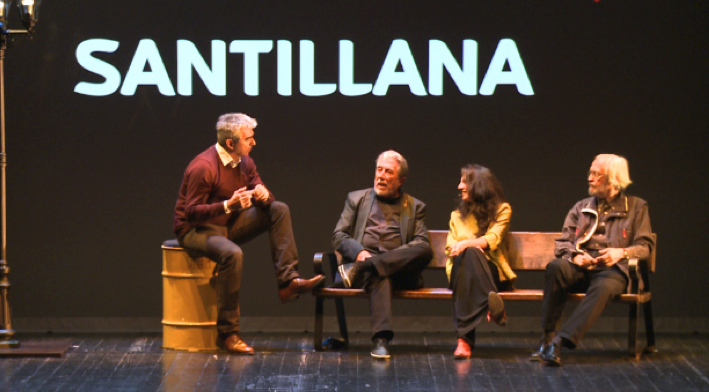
x=189 y=301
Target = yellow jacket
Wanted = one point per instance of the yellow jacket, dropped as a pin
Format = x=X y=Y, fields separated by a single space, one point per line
x=497 y=237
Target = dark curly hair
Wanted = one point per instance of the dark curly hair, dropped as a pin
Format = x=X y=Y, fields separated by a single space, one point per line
x=484 y=196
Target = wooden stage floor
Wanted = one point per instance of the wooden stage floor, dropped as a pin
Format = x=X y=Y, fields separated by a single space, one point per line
x=420 y=362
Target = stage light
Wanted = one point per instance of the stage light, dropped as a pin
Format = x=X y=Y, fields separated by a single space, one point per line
x=29 y=12
x=4 y=12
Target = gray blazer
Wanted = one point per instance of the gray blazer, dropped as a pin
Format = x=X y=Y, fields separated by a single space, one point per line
x=349 y=232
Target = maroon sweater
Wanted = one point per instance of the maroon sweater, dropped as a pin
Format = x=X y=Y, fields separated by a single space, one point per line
x=205 y=186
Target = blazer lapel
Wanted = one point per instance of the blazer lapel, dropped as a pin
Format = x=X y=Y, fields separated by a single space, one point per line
x=407 y=206
x=365 y=208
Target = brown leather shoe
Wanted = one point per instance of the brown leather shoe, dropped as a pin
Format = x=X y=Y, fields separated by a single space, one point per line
x=298 y=286
x=235 y=345
x=463 y=350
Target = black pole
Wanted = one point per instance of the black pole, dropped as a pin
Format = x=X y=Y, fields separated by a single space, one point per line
x=7 y=334
x=9 y=346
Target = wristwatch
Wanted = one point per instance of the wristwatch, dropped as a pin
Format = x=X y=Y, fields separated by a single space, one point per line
x=625 y=253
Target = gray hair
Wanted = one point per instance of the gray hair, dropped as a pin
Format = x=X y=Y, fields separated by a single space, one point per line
x=403 y=166
x=616 y=168
x=229 y=126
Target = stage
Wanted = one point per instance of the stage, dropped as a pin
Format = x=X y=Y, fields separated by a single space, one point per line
x=420 y=362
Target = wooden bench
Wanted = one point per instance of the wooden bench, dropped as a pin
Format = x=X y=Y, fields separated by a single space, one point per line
x=533 y=252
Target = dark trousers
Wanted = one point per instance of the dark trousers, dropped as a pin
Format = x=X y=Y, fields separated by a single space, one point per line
x=397 y=269
x=221 y=244
x=562 y=278
x=473 y=277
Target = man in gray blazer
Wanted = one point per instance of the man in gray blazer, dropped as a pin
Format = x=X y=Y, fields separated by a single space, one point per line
x=383 y=242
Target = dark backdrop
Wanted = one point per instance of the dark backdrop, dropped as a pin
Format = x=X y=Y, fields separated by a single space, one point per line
x=92 y=181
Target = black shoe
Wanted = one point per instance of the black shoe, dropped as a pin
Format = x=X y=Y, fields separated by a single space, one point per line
x=536 y=356
x=552 y=354
x=352 y=274
x=379 y=349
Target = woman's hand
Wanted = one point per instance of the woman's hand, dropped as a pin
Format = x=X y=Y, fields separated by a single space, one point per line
x=457 y=248
x=460 y=246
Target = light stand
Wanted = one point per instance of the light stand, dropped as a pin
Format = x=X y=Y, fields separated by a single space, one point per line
x=9 y=346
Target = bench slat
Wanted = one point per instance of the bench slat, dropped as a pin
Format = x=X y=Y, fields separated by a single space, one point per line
x=529 y=251
x=442 y=293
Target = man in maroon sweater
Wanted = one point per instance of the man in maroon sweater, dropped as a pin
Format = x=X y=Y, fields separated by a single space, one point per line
x=223 y=203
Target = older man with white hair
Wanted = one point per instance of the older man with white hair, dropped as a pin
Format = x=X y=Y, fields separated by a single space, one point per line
x=384 y=243
x=600 y=234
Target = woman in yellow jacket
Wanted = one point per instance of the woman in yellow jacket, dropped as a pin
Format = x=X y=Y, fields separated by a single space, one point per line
x=477 y=249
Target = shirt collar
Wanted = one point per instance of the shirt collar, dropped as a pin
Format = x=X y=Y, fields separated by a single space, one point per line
x=618 y=203
x=392 y=200
x=226 y=158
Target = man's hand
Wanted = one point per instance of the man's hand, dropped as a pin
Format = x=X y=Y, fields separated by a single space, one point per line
x=610 y=256
x=363 y=255
x=240 y=199
x=261 y=193
x=584 y=260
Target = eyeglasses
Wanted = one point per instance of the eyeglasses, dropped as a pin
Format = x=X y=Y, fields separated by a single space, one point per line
x=595 y=174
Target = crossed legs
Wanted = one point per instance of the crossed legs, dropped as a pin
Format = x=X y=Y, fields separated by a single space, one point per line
x=221 y=244
x=473 y=277
x=396 y=269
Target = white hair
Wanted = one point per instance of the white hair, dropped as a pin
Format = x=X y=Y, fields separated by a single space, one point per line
x=403 y=166
x=616 y=168
x=229 y=126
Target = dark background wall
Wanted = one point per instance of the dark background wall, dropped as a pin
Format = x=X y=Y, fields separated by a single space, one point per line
x=92 y=181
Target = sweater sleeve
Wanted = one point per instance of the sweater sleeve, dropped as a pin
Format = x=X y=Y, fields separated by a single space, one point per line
x=255 y=179
x=199 y=179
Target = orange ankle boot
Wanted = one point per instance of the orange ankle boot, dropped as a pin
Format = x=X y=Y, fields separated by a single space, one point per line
x=463 y=350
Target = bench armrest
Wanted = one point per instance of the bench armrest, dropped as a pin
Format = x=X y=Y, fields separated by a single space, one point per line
x=329 y=259
x=317 y=263
x=634 y=275
x=639 y=276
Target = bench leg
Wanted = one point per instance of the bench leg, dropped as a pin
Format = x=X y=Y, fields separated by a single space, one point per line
x=633 y=312
x=331 y=343
x=344 y=342
x=342 y=321
x=317 y=336
x=649 y=328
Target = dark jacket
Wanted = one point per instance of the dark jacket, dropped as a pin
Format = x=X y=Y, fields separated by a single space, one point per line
x=349 y=232
x=628 y=227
